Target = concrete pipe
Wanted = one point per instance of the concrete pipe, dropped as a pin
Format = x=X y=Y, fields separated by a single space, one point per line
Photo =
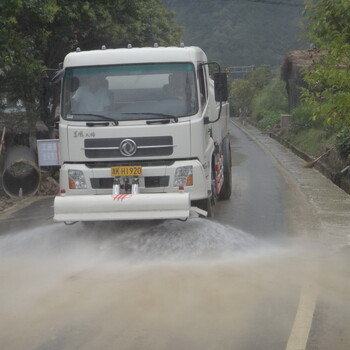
x=21 y=174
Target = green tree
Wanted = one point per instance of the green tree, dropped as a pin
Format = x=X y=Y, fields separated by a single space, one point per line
x=328 y=79
x=22 y=39
x=260 y=95
x=114 y=23
x=35 y=34
x=242 y=96
x=244 y=90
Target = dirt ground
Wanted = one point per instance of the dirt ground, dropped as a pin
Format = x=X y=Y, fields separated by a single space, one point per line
x=5 y=203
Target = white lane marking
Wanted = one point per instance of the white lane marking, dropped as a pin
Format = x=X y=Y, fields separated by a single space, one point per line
x=303 y=320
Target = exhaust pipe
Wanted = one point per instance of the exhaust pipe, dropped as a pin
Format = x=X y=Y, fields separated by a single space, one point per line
x=21 y=174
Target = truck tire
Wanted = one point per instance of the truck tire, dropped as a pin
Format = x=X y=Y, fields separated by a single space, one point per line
x=226 y=188
x=207 y=205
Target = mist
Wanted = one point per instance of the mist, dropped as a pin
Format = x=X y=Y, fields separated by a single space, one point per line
x=155 y=285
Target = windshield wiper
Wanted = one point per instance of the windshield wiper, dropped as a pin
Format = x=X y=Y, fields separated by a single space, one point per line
x=100 y=116
x=158 y=121
x=158 y=115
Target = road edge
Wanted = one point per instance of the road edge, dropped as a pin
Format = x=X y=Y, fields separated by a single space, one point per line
x=20 y=204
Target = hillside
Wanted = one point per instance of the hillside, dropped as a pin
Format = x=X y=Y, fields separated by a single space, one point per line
x=241 y=32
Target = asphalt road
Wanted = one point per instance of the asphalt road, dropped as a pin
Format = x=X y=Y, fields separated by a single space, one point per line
x=258 y=202
x=229 y=283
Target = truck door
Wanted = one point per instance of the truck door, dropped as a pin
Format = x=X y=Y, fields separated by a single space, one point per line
x=204 y=106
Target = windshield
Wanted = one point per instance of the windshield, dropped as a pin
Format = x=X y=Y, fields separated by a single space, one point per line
x=129 y=92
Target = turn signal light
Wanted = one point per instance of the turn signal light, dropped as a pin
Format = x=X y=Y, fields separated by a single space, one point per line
x=72 y=184
x=189 y=180
x=76 y=180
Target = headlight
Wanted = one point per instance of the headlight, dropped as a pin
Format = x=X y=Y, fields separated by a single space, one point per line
x=76 y=180
x=184 y=176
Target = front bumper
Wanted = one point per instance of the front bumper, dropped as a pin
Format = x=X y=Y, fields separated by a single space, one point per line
x=142 y=206
x=103 y=175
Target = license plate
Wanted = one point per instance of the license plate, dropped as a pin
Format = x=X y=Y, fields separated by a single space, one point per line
x=127 y=170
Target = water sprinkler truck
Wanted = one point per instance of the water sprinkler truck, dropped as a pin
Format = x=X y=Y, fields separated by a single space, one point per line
x=143 y=134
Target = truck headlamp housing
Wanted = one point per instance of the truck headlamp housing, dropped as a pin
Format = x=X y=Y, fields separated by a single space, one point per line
x=183 y=176
x=76 y=180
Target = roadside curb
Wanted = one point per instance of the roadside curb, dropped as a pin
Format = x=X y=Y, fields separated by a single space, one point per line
x=337 y=177
x=321 y=166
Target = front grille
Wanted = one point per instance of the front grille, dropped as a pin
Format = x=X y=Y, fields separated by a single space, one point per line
x=144 y=147
x=143 y=163
x=150 y=182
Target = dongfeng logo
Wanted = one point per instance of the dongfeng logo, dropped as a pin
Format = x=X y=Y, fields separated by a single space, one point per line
x=128 y=147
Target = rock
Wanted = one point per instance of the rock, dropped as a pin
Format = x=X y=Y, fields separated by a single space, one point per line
x=48 y=186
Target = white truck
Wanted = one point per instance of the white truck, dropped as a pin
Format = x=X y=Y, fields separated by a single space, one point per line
x=143 y=134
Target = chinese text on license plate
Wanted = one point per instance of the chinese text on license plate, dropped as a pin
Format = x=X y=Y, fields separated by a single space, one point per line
x=127 y=170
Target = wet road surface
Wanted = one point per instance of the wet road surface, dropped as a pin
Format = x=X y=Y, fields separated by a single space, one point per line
x=202 y=285
x=258 y=202
x=229 y=283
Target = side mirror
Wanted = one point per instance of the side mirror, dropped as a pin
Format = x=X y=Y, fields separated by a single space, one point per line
x=220 y=86
x=44 y=100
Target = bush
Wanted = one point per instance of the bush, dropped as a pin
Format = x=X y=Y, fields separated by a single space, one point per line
x=302 y=118
x=272 y=98
x=268 y=119
x=342 y=142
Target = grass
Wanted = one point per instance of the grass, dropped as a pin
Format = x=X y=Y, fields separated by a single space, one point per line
x=311 y=141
